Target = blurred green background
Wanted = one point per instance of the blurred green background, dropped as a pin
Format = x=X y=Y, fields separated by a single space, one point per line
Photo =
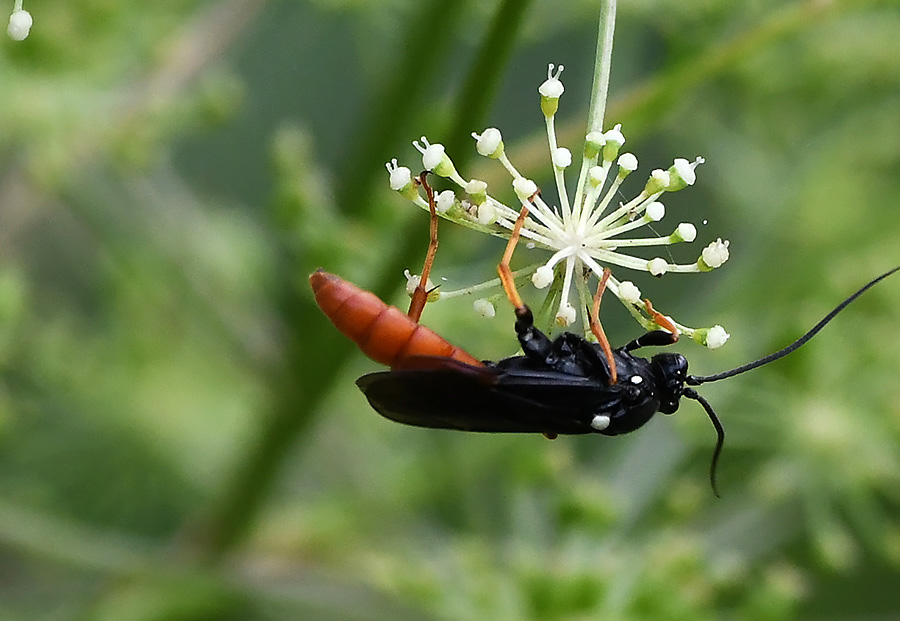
x=180 y=434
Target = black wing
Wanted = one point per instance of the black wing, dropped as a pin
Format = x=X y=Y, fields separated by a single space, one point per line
x=447 y=394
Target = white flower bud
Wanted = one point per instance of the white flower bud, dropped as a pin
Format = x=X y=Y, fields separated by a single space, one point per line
x=444 y=201
x=627 y=162
x=562 y=157
x=524 y=188
x=657 y=266
x=477 y=191
x=552 y=87
x=484 y=308
x=434 y=158
x=615 y=135
x=487 y=214
x=714 y=255
x=400 y=176
x=656 y=211
x=432 y=154
x=551 y=90
x=489 y=143
x=685 y=232
x=542 y=277
x=716 y=337
x=681 y=173
x=593 y=142
x=20 y=23
x=628 y=292
x=566 y=315
x=658 y=181
x=596 y=175
x=412 y=281
x=614 y=141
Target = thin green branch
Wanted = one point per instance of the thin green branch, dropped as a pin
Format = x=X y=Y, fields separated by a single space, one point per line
x=600 y=88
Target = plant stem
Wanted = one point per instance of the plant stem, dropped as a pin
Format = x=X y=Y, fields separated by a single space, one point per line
x=600 y=88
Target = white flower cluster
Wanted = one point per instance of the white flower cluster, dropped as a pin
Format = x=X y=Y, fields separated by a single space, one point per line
x=583 y=233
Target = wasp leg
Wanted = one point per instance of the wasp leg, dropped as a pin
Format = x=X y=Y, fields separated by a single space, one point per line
x=506 y=277
x=661 y=320
x=597 y=329
x=420 y=295
x=655 y=338
x=535 y=343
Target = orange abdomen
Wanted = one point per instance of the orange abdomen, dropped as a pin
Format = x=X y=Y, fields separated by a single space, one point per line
x=383 y=333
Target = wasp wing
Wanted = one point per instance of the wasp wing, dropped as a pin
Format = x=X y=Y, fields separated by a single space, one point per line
x=442 y=393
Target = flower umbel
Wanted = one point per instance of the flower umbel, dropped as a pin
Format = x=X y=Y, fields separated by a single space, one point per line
x=585 y=232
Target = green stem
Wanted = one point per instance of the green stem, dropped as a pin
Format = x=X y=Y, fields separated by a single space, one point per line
x=600 y=88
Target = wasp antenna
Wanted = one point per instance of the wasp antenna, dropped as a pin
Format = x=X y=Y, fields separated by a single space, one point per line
x=695 y=380
x=690 y=393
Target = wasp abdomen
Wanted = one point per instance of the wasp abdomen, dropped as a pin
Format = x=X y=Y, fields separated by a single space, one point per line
x=383 y=333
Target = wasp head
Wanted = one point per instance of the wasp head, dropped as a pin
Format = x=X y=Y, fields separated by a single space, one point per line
x=670 y=372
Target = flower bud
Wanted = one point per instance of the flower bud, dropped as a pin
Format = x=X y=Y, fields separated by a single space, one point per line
x=412 y=281
x=484 y=308
x=658 y=181
x=551 y=90
x=628 y=292
x=614 y=141
x=487 y=214
x=712 y=338
x=628 y=163
x=656 y=211
x=593 y=142
x=596 y=176
x=681 y=174
x=686 y=232
x=489 y=143
x=524 y=188
x=20 y=23
x=401 y=180
x=566 y=315
x=713 y=256
x=657 y=266
x=477 y=191
x=444 y=201
x=542 y=277
x=434 y=158
x=562 y=157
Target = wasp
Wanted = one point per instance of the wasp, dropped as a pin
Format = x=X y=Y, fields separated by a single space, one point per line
x=563 y=386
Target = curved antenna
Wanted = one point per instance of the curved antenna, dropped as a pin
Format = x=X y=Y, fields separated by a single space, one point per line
x=694 y=380
x=690 y=393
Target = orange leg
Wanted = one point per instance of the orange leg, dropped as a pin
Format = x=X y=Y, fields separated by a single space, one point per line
x=420 y=295
x=661 y=320
x=597 y=329
x=506 y=277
